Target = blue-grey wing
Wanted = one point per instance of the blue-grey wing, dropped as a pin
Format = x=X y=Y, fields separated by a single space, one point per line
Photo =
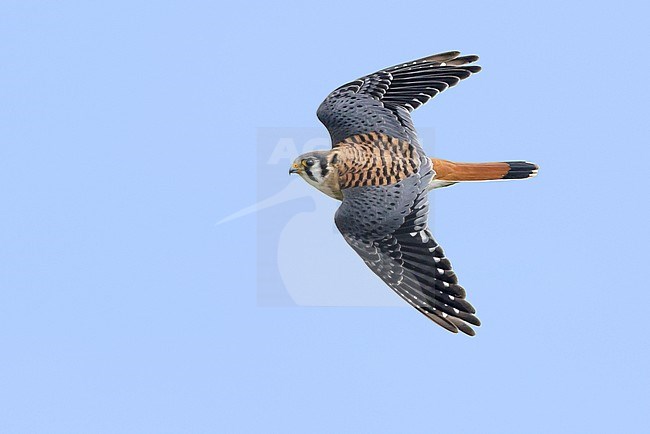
x=387 y=226
x=382 y=102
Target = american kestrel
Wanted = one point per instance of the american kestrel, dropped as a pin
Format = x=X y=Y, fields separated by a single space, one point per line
x=379 y=171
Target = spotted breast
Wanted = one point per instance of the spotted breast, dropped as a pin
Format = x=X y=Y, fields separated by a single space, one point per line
x=373 y=159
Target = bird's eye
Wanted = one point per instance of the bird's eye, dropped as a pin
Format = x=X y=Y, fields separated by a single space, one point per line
x=308 y=162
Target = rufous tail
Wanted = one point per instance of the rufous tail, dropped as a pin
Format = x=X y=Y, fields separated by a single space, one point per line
x=449 y=171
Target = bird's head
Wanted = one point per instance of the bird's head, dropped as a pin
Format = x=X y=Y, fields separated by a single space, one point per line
x=313 y=167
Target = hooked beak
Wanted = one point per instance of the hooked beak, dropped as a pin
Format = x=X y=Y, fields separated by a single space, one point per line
x=294 y=169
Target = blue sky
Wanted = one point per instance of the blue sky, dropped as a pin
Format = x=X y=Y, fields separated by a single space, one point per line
x=129 y=129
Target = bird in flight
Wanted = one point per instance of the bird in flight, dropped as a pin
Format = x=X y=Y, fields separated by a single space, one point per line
x=380 y=173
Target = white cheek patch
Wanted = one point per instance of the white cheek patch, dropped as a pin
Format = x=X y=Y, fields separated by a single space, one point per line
x=309 y=180
x=316 y=180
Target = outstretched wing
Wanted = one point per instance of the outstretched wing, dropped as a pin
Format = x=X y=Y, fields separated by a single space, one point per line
x=382 y=102
x=387 y=227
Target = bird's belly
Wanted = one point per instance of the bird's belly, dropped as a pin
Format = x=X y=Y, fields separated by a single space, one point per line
x=437 y=183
